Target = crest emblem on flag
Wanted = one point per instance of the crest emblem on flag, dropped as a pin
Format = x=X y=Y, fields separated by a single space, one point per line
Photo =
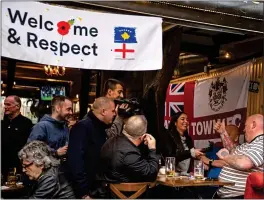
x=125 y=42
x=217 y=94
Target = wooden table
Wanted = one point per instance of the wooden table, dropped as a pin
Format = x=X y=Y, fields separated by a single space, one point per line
x=12 y=189
x=16 y=192
x=185 y=182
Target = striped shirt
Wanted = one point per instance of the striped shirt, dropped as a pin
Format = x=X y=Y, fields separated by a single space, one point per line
x=254 y=151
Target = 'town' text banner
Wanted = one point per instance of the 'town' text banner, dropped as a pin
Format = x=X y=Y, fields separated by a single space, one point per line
x=222 y=98
x=54 y=35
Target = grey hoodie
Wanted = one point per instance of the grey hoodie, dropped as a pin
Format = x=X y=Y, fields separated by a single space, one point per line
x=55 y=133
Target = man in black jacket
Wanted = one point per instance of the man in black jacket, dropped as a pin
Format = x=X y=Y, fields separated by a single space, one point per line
x=86 y=139
x=121 y=160
x=15 y=131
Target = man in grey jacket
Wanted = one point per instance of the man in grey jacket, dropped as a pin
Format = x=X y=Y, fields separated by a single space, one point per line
x=52 y=129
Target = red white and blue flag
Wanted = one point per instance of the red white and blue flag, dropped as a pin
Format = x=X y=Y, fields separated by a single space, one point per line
x=206 y=101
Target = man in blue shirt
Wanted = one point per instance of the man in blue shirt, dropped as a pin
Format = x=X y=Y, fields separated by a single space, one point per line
x=53 y=129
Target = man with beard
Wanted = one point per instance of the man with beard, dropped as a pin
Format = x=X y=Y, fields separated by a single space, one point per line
x=15 y=131
x=53 y=128
x=86 y=139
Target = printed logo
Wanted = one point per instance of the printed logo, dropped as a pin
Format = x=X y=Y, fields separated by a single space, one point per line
x=217 y=94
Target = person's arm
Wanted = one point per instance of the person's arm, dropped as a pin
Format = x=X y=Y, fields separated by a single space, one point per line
x=39 y=132
x=240 y=162
x=227 y=141
x=76 y=158
x=116 y=127
x=171 y=150
x=214 y=163
x=46 y=189
x=249 y=159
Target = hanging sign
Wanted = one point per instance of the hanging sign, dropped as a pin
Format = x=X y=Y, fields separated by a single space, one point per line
x=54 y=35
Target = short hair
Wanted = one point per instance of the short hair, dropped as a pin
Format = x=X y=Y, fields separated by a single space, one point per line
x=16 y=99
x=136 y=126
x=39 y=153
x=111 y=84
x=58 y=100
x=101 y=103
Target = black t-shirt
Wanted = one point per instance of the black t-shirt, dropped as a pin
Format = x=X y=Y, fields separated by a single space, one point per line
x=14 y=136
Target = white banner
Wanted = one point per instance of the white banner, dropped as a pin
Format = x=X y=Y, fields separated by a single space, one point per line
x=223 y=98
x=54 y=35
x=222 y=94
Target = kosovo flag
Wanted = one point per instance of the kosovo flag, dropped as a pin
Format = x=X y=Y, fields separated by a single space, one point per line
x=125 y=35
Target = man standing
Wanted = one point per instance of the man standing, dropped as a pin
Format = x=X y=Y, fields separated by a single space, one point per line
x=243 y=159
x=53 y=129
x=121 y=159
x=15 y=131
x=114 y=89
x=86 y=139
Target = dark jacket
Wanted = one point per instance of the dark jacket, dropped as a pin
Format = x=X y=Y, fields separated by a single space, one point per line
x=116 y=127
x=86 y=139
x=14 y=137
x=121 y=161
x=174 y=146
x=52 y=185
x=55 y=133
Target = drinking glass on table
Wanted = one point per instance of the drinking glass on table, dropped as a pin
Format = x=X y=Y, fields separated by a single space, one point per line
x=198 y=170
x=170 y=166
x=11 y=177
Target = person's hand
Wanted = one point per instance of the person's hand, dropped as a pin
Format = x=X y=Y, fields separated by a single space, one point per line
x=205 y=160
x=150 y=141
x=62 y=151
x=198 y=153
x=222 y=153
x=220 y=127
x=123 y=106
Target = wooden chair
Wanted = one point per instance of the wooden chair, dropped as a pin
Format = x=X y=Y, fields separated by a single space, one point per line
x=137 y=188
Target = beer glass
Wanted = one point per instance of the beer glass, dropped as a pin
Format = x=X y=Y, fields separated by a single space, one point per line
x=198 y=170
x=11 y=178
x=170 y=166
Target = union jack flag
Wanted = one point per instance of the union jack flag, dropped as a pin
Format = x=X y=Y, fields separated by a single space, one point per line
x=176 y=100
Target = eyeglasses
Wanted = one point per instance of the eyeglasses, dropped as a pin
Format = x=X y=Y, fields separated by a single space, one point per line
x=26 y=166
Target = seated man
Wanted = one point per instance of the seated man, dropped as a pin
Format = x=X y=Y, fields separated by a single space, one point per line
x=211 y=161
x=42 y=167
x=243 y=159
x=121 y=160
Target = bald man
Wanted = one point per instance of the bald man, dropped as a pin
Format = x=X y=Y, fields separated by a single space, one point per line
x=15 y=131
x=243 y=159
x=85 y=142
x=121 y=160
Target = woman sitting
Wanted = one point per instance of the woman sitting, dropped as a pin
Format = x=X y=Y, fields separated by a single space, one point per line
x=179 y=144
x=40 y=166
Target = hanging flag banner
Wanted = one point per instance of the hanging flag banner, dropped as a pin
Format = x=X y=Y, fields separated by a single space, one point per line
x=206 y=101
x=54 y=35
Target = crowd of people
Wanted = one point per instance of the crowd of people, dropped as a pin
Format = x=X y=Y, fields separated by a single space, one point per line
x=78 y=160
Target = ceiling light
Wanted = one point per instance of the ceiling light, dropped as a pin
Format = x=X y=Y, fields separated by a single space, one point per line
x=227 y=55
x=56 y=70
